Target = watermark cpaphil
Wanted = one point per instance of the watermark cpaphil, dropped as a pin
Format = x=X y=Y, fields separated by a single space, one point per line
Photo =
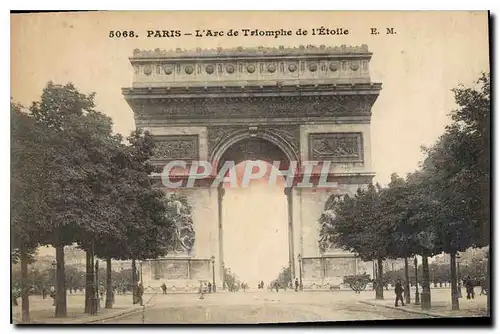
x=310 y=174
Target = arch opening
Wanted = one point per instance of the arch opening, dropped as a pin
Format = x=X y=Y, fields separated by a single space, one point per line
x=255 y=230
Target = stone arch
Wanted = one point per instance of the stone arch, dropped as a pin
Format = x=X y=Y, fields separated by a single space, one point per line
x=285 y=152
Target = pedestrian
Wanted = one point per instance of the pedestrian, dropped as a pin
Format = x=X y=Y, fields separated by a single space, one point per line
x=53 y=294
x=140 y=293
x=209 y=287
x=201 y=291
x=469 y=287
x=276 y=286
x=398 y=289
x=44 y=292
x=164 y=288
x=296 y=284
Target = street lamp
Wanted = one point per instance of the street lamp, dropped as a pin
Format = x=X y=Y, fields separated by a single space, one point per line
x=213 y=273
x=223 y=276
x=417 y=296
x=299 y=257
x=459 y=285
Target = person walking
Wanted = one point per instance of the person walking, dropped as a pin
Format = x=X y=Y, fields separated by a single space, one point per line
x=140 y=293
x=201 y=291
x=398 y=289
x=469 y=286
x=53 y=294
x=296 y=284
x=209 y=287
x=164 y=288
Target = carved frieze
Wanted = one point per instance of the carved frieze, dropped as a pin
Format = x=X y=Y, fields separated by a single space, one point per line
x=184 y=147
x=255 y=107
x=336 y=147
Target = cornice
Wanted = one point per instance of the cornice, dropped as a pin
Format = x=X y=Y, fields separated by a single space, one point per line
x=252 y=52
x=249 y=92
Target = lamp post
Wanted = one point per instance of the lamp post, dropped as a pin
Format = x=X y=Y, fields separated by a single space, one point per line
x=417 y=295
x=299 y=257
x=213 y=273
x=223 y=276
x=459 y=285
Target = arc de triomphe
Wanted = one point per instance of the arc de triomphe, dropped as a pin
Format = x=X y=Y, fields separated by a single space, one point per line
x=287 y=104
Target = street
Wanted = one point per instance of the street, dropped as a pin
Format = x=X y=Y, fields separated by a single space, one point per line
x=260 y=307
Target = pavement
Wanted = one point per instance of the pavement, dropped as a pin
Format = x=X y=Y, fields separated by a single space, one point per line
x=42 y=311
x=440 y=304
x=252 y=307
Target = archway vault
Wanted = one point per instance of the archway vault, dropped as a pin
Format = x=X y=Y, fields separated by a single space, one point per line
x=254 y=143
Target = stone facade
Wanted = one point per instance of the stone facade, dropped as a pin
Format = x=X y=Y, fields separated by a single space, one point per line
x=289 y=104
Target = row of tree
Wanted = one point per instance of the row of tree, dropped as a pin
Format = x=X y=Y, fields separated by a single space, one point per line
x=444 y=206
x=75 y=181
x=74 y=277
x=439 y=273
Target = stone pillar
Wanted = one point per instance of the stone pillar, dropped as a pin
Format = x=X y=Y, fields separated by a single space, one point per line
x=291 y=254
x=205 y=217
x=297 y=228
x=220 y=192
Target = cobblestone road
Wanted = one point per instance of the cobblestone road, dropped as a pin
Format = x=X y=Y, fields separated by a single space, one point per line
x=262 y=307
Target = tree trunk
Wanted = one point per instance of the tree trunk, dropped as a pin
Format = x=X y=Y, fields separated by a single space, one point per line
x=109 y=285
x=134 y=282
x=407 y=282
x=379 y=291
x=453 y=277
x=25 y=303
x=97 y=286
x=425 y=300
x=61 y=310
x=89 y=282
x=488 y=282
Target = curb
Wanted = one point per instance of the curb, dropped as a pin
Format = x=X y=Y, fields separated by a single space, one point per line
x=83 y=321
x=435 y=315
x=113 y=316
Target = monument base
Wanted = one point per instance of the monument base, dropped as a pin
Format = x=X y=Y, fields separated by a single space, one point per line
x=180 y=273
x=328 y=271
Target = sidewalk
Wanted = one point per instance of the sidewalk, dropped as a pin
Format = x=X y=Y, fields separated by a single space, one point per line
x=440 y=304
x=42 y=311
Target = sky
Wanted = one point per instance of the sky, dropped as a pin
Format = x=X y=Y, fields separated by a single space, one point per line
x=431 y=53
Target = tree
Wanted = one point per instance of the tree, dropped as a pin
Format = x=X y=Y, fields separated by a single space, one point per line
x=395 y=205
x=357 y=225
x=28 y=200
x=284 y=277
x=74 y=167
x=457 y=170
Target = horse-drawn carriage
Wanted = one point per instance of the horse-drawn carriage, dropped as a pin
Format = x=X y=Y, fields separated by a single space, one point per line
x=357 y=282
